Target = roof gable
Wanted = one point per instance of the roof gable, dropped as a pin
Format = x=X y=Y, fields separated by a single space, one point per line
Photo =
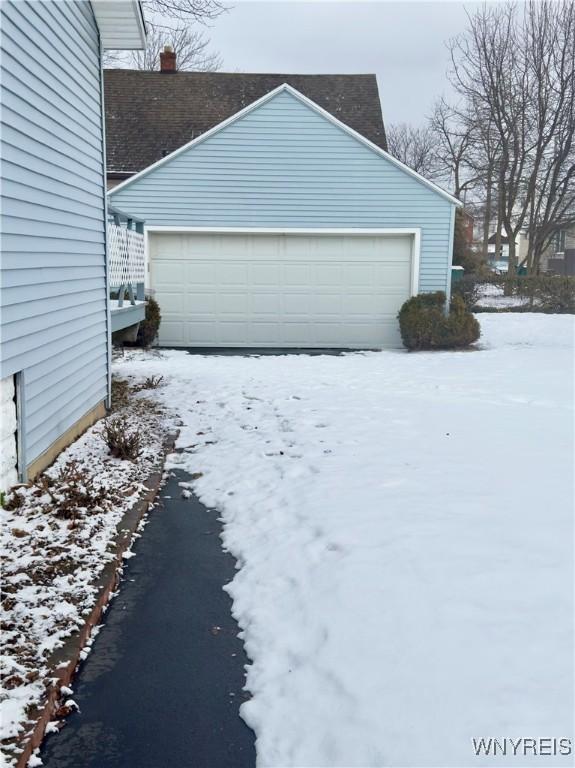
x=283 y=89
x=151 y=114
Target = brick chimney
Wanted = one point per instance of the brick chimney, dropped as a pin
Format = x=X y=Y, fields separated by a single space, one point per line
x=167 y=60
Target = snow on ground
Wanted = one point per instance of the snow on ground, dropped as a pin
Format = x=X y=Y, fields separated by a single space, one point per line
x=403 y=525
x=493 y=296
x=50 y=563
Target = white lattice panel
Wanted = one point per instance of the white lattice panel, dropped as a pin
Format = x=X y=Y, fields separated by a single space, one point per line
x=126 y=251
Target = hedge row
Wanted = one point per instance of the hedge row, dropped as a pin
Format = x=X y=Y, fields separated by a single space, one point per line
x=542 y=293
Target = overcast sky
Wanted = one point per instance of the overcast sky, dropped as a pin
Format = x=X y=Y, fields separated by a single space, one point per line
x=403 y=43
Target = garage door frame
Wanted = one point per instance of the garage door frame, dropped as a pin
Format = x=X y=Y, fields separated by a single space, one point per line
x=414 y=232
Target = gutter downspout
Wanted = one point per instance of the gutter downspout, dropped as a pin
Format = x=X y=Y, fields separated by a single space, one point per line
x=107 y=253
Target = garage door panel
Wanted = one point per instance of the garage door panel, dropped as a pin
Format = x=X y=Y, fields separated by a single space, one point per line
x=359 y=275
x=173 y=302
x=297 y=304
x=390 y=275
x=295 y=275
x=327 y=275
x=286 y=290
x=199 y=332
x=265 y=275
x=266 y=334
x=266 y=303
x=229 y=273
x=199 y=273
x=172 y=273
x=232 y=333
x=198 y=304
x=328 y=304
x=362 y=304
x=174 y=330
x=361 y=333
x=296 y=334
x=232 y=305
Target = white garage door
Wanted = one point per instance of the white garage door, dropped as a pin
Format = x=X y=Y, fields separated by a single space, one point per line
x=278 y=290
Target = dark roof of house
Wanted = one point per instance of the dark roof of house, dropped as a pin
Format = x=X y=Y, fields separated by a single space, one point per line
x=150 y=114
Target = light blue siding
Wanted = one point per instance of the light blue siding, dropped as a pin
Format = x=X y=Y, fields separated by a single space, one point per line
x=53 y=279
x=285 y=165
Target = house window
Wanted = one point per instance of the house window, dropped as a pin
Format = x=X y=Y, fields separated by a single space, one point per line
x=560 y=241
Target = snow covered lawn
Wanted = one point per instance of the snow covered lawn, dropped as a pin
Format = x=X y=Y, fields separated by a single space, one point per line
x=493 y=296
x=403 y=525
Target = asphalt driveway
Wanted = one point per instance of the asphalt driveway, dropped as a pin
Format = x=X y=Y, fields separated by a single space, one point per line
x=163 y=684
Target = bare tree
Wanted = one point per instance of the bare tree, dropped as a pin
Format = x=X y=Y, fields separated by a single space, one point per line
x=550 y=31
x=189 y=45
x=185 y=10
x=413 y=146
x=453 y=137
x=172 y=22
x=516 y=69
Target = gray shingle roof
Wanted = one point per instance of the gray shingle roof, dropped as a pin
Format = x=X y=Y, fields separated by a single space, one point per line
x=150 y=114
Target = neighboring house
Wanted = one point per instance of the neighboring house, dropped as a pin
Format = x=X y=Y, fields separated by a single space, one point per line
x=500 y=262
x=559 y=257
x=56 y=320
x=285 y=225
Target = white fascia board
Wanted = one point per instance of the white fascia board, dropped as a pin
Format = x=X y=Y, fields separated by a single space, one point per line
x=286 y=230
x=371 y=145
x=121 y=24
x=316 y=108
x=197 y=140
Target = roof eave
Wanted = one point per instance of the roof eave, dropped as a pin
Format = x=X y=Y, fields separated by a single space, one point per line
x=121 y=24
x=317 y=108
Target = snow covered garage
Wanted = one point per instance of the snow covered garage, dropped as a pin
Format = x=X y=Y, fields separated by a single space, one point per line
x=282 y=226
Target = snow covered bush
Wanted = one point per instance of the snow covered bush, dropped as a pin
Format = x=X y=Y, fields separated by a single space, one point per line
x=425 y=325
x=150 y=326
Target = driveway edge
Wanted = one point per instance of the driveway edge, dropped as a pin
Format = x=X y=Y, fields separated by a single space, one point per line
x=66 y=659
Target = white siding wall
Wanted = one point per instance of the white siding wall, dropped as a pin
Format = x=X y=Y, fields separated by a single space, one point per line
x=53 y=285
x=285 y=165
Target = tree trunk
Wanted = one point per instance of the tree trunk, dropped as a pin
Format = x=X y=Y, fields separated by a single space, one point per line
x=487 y=220
x=498 y=237
x=512 y=268
x=512 y=264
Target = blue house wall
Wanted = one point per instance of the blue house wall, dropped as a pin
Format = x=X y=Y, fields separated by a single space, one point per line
x=284 y=164
x=53 y=278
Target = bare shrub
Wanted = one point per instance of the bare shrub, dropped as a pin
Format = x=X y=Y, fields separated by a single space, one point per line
x=151 y=382
x=71 y=492
x=123 y=442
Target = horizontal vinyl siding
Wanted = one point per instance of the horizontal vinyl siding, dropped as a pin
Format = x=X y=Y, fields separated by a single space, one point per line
x=53 y=279
x=285 y=165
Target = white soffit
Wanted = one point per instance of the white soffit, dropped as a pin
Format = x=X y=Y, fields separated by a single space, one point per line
x=121 y=24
